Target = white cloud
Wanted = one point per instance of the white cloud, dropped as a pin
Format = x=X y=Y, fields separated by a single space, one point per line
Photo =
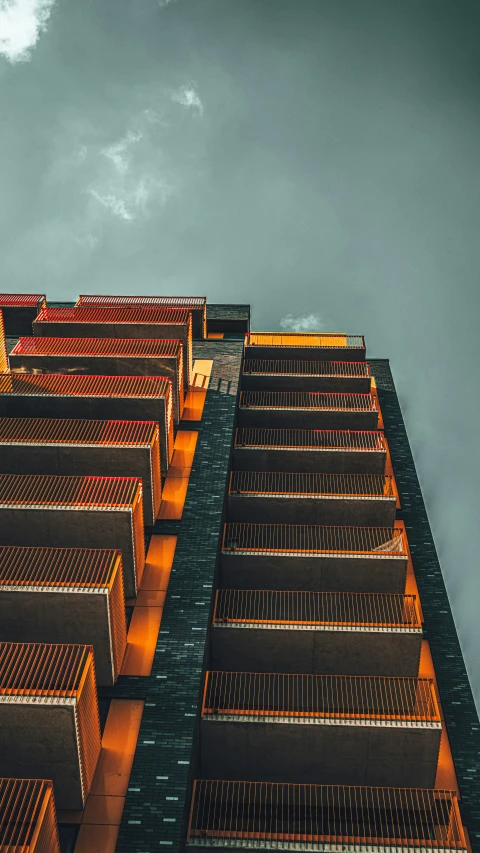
x=119 y=154
x=188 y=97
x=163 y=3
x=304 y=323
x=21 y=22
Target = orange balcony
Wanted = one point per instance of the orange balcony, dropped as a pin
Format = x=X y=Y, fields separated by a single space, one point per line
x=338 y=633
x=28 y=822
x=323 y=818
x=119 y=322
x=19 y=311
x=291 y=409
x=135 y=398
x=355 y=730
x=197 y=305
x=314 y=557
x=66 y=595
x=317 y=450
x=49 y=722
x=287 y=497
x=311 y=346
x=301 y=375
x=104 y=357
x=76 y=512
x=93 y=448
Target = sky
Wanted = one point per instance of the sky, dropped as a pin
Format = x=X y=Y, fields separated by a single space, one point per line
x=316 y=158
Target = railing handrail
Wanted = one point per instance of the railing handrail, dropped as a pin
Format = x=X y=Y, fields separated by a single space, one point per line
x=274 y=483
x=302 y=539
x=325 y=401
x=284 y=439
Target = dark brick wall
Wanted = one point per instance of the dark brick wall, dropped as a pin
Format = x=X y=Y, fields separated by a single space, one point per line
x=160 y=782
x=461 y=717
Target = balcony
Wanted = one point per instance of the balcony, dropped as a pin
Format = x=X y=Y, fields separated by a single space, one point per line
x=28 y=822
x=197 y=305
x=49 y=721
x=19 y=311
x=331 y=633
x=76 y=512
x=294 y=409
x=315 y=450
x=312 y=557
x=78 y=447
x=333 y=729
x=119 y=322
x=104 y=357
x=341 y=376
x=122 y=398
x=304 y=347
x=323 y=818
x=289 y=498
x=66 y=595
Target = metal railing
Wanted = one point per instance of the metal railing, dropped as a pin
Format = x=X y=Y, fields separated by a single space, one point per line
x=42 y=669
x=379 y=611
x=321 y=698
x=22 y=300
x=56 y=567
x=27 y=816
x=308 y=400
x=309 y=439
x=139 y=301
x=351 y=369
x=268 y=815
x=75 y=385
x=76 y=431
x=268 y=483
x=97 y=347
x=313 y=339
x=118 y=314
x=52 y=490
x=306 y=539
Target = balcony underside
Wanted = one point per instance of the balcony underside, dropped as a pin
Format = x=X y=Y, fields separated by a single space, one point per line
x=307 y=418
x=302 y=382
x=282 y=509
x=315 y=460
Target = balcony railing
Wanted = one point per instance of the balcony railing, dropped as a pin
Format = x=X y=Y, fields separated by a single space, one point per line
x=116 y=314
x=73 y=385
x=98 y=347
x=50 y=490
x=76 y=431
x=140 y=301
x=22 y=300
x=265 y=815
x=341 y=610
x=356 y=369
x=343 y=699
x=27 y=816
x=43 y=567
x=258 y=438
x=277 y=339
x=310 y=540
x=283 y=484
x=308 y=400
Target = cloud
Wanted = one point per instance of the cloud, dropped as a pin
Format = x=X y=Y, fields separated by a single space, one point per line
x=21 y=22
x=304 y=323
x=163 y=3
x=188 y=97
x=119 y=153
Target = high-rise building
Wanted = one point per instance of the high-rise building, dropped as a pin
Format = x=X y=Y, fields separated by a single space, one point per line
x=223 y=623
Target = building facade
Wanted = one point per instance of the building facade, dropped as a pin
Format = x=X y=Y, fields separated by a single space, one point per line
x=222 y=618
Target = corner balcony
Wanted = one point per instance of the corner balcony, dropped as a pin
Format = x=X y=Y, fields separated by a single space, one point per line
x=323 y=818
x=313 y=557
x=76 y=512
x=309 y=410
x=49 y=720
x=197 y=305
x=305 y=450
x=19 y=311
x=304 y=347
x=326 y=633
x=287 y=498
x=333 y=729
x=352 y=377
x=65 y=595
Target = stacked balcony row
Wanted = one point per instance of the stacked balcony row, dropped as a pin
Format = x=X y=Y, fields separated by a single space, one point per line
x=312 y=691
x=88 y=407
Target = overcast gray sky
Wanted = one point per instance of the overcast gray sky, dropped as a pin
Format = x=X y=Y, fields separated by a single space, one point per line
x=317 y=158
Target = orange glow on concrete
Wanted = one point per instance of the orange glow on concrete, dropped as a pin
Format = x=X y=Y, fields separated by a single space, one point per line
x=148 y=607
x=373 y=390
x=178 y=476
x=446 y=777
x=142 y=640
x=195 y=399
x=411 y=587
x=216 y=336
x=104 y=808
